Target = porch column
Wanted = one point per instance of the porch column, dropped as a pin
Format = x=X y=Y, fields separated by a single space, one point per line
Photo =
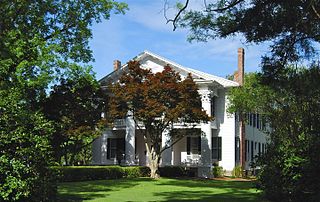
x=205 y=166
x=103 y=147
x=166 y=156
x=130 y=140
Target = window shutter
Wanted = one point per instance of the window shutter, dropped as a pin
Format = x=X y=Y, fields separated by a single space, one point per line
x=188 y=145
x=108 y=148
x=199 y=145
x=219 y=148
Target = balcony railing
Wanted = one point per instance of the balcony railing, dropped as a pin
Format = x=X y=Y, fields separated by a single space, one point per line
x=121 y=123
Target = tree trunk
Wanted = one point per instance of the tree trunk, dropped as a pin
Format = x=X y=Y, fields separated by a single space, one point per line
x=154 y=165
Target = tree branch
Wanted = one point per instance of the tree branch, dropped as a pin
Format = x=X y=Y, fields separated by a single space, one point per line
x=173 y=143
x=234 y=3
x=315 y=11
x=174 y=21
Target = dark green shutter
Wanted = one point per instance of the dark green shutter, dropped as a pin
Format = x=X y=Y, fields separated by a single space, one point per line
x=188 y=145
x=108 y=148
x=199 y=145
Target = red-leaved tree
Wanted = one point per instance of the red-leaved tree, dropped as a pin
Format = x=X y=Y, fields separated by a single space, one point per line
x=157 y=100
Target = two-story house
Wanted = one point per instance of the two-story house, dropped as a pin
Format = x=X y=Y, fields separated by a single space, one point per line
x=218 y=143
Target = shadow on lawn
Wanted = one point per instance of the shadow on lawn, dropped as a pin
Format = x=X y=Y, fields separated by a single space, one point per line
x=208 y=183
x=232 y=191
x=87 y=190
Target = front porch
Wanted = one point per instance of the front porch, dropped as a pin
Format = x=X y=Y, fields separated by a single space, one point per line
x=119 y=148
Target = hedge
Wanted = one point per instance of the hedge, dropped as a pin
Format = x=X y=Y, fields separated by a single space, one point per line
x=173 y=171
x=85 y=173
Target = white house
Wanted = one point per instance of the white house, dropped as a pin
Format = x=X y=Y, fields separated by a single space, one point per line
x=220 y=139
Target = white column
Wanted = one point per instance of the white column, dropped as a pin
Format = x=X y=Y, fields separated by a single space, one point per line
x=166 y=156
x=204 y=169
x=130 y=140
x=104 y=145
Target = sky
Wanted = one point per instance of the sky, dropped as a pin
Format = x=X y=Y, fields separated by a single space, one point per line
x=144 y=27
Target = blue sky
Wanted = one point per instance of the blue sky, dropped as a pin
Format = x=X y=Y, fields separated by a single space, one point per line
x=144 y=27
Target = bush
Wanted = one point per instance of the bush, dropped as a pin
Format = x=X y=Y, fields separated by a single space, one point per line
x=237 y=171
x=25 y=159
x=217 y=171
x=84 y=173
x=172 y=171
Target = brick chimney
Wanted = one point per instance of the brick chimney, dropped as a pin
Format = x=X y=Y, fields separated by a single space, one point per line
x=116 y=65
x=240 y=72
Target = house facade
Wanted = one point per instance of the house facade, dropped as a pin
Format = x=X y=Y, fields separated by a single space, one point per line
x=218 y=141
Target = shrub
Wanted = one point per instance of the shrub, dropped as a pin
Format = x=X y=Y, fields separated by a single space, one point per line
x=84 y=173
x=25 y=159
x=237 y=171
x=172 y=171
x=217 y=171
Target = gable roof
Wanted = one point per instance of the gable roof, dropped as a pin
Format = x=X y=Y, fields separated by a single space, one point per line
x=197 y=75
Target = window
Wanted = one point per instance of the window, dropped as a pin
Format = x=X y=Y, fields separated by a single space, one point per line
x=193 y=145
x=254 y=120
x=115 y=148
x=216 y=148
x=258 y=121
x=250 y=119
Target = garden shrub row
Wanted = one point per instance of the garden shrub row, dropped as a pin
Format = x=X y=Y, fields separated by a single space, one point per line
x=173 y=171
x=85 y=173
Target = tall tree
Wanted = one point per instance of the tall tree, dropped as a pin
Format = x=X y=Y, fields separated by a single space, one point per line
x=38 y=40
x=293 y=27
x=289 y=166
x=74 y=106
x=158 y=101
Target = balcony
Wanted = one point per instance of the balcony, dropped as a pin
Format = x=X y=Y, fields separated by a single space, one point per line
x=121 y=123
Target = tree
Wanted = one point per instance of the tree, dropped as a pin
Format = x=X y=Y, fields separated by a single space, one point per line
x=289 y=167
x=291 y=25
x=293 y=29
x=251 y=97
x=74 y=106
x=158 y=101
x=291 y=164
x=38 y=40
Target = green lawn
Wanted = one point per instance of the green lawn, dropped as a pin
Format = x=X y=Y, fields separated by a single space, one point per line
x=165 y=189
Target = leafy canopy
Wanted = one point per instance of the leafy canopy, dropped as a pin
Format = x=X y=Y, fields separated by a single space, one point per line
x=75 y=106
x=292 y=28
x=158 y=100
x=39 y=40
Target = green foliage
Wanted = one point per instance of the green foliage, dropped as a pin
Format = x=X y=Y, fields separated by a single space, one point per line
x=292 y=24
x=237 y=171
x=290 y=167
x=84 y=173
x=253 y=96
x=40 y=41
x=24 y=159
x=217 y=171
x=158 y=100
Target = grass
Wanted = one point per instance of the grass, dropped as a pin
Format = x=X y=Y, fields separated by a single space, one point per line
x=164 y=189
